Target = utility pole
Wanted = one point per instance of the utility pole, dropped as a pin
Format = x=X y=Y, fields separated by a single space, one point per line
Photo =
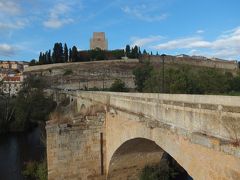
x=163 y=61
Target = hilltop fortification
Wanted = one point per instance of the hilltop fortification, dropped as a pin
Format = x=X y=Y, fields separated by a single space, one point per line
x=193 y=61
x=101 y=74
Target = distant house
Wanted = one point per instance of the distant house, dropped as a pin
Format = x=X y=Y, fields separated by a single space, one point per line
x=5 y=64
x=199 y=57
x=11 y=84
x=182 y=55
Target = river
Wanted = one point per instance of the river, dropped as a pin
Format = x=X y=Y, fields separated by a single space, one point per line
x=18 y=148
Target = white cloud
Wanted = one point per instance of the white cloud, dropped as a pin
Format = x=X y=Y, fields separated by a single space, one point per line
x=10 y=7
x=11 y=16
x=144 y=13
x=200 y=31
x=144 y=41
x=58 y=16
x=225 y=46
x=7 y=50
x=17 y=24
x=184 y=43
x=56 y=22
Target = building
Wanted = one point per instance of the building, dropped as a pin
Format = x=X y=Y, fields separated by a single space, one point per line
x=99 y=41
x=5 y=64
x=11 y=85
x=182 y=55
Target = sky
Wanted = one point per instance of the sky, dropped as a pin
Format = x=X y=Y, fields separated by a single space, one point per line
x=195 y=27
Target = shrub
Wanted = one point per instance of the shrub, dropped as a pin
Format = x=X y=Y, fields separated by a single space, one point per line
x=68 y=72
x=118 y=86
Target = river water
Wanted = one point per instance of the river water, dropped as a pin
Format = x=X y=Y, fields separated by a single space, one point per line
x=16 y=150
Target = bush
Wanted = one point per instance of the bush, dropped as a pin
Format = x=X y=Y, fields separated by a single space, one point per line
x=35 y=170
x=118 y=86
x=68 y=72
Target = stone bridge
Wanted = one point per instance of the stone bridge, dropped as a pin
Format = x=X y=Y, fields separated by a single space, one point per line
x=102 y=135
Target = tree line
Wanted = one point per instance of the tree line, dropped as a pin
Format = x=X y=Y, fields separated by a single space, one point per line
x=185 y=79
x=62 y=54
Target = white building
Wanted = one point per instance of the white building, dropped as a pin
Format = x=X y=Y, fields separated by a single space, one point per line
x=11 y=85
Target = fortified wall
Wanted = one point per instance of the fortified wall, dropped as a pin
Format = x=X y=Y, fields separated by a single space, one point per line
x=219 y=64
x=101 y=74
x=86 y=75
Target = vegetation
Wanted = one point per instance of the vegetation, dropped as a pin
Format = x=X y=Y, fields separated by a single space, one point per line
x=167 y=169
x=35 y=170
x=6 y=113
x=68 y=72
x=27 y=109
x=185 y=79
x=118 y=86
x=61 y=54
x=142 y=74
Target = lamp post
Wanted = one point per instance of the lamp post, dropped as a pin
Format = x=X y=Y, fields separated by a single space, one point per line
x=163 y=61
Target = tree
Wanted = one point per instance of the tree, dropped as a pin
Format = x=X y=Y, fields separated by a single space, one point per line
x=32 y=62
x=142 y=73
x=57 y=55
x=7 y=110
x=127 y=50
x=41 y=58
x=135 y=52
x=65 y=53
x=31 y=105
x=70 y=55
x=74 y=54
x=49 y=57
x=118 y=86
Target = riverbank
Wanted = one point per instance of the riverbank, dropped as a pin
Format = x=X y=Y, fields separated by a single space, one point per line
x=16 y=149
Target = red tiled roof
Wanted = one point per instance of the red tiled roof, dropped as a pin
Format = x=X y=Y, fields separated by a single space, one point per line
x=14 y=78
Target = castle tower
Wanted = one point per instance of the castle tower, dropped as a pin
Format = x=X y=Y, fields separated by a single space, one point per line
x=99 y=41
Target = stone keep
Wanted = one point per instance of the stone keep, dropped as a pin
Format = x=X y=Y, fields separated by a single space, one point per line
x=98 y=41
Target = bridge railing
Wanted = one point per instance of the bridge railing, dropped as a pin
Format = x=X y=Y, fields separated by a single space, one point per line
x=212 y=115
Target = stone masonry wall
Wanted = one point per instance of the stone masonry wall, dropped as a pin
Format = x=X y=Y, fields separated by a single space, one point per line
x=74 y=150
x=86 y=75
x=224 y=64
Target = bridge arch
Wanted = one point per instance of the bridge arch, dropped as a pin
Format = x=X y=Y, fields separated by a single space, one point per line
x=134 y=155
x=129 y=140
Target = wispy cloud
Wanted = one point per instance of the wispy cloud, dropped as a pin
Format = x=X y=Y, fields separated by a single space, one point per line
x=200 y=31
x=11 y=16
x=10 y=7
x=145 y=41
x=226 y=45
x=58 y=16
x=18 y=24
x=7 y=50
x=144 y=12
x=184 y=43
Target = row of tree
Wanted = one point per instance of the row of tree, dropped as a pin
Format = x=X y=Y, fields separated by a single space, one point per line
x=62 y=54
x=185 y=79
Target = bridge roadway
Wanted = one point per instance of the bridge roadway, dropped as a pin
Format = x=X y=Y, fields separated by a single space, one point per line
x=106 y=135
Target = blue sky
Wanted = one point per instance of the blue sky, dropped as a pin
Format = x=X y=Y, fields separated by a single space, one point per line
x=207 y=27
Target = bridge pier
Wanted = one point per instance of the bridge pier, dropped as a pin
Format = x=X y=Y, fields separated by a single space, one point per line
x=74 y=150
